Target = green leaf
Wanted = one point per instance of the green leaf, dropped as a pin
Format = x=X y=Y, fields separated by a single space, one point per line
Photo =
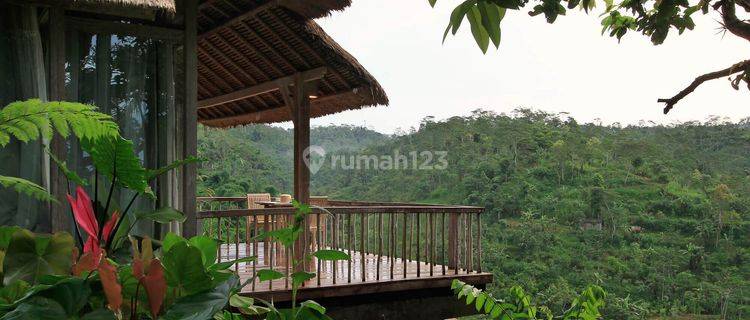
x=163 y=215
x=457 y=16
x=269 y=275
x=99 y=314
x=287 y=236
x=151 y=174
x=479 y=303
x=31 y=119
x=227 y=264
x=203 y=305
x=29 y=257
x=492 y=15
x=27 y=188
x=116 y=157
x=477 y=30
x=37 y=308
x=246 y=305
x=71 y=293
x=207 y=246
x=314 y=306
x=300 y=277
x=170 y=240
x=183 y=267
x=331 y=255
x=432 y=2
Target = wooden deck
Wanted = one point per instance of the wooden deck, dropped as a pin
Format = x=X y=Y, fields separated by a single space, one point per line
x=380 y=275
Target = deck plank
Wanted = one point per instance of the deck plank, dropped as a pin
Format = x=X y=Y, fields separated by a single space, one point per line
x=279 y=289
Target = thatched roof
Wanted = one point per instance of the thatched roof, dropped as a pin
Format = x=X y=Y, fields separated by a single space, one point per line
x=240 y=47
x=168 y=5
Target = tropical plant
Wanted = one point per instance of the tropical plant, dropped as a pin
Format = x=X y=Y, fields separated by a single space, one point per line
x=654 y=19
x=287 y=236
x=33 y=119
x=519 y=305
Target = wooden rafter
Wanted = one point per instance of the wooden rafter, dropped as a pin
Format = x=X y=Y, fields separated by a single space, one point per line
x=308 y=47
x=237 y=19
x=283 y=41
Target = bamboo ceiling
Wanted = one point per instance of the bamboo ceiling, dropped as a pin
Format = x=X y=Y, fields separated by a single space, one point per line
x=243 y=44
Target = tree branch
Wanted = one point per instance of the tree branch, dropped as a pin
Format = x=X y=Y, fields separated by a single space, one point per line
x=735 y=68
x=731 y=22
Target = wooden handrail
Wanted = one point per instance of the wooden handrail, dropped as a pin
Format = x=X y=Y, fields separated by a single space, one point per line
x=341 y=210
x=413 y=241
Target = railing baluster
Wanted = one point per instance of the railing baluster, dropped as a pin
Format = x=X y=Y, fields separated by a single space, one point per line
x=317 y=243
x=419 y=235
x=335 y=243
x=432 y=243
x=469 y=241
x=457 y=245
x=442 y=242
x=403 y=245
x=392 y=240
x=288 y=252
x=362 y=241
x=410 y=220
x=380 y=246
x=349 y=247
x=218 y=226
x=255 y=245
x=237 y=245
x=479 y=243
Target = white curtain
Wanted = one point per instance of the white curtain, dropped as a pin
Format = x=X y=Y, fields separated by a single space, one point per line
x=22 y=77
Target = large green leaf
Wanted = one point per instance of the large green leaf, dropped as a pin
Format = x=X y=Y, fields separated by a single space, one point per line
x=99 y=314
x=269 y=275
x=331 y=255
x=300 y=277
x=204 y=305
x=163 y=215
x=183 y=266
x=29 y=257
x=208 y=248
x=115 y=157
x=170 y=240
x=151 y=174
x=71 y=293
x=37 y=308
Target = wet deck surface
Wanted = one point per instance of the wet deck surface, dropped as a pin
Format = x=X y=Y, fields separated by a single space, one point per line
x=347 y=276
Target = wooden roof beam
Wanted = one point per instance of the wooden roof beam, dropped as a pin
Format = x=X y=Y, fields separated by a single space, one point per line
x=262 y=88
x=319 y=100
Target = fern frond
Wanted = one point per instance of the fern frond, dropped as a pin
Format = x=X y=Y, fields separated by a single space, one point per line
x=27 y=187
x=63 y=166
x=28 y=120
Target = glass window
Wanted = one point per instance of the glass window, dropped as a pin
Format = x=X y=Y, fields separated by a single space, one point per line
x=131 y=79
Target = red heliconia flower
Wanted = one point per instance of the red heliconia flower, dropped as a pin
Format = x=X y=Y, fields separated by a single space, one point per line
x=83 y=211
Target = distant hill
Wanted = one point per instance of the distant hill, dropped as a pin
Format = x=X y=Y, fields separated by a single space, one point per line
x=657 y=215
x=259 y=158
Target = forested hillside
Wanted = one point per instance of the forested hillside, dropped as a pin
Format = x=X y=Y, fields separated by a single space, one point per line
x=659 y=216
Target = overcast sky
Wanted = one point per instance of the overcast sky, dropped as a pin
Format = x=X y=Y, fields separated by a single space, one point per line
x=568 y=66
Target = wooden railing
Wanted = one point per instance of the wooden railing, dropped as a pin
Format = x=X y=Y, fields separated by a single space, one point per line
x=386 y=241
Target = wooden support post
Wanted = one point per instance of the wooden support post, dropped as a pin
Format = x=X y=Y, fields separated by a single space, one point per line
x=59 y=218
x=190 y=120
